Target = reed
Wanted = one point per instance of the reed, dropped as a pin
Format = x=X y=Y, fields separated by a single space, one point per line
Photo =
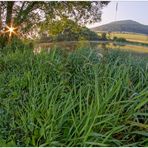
x=74 y=99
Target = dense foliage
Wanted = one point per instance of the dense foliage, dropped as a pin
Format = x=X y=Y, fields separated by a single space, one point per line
x=28 y=17
x=73 y=33
x=73 y=99
x=117 y=39
x=16 y=44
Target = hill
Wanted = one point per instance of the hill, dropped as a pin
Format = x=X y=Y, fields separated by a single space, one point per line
x=123 y=26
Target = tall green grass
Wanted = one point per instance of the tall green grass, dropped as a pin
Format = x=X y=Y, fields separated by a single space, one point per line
x=75 y=99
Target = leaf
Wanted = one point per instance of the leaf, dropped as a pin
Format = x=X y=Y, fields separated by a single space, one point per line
x=141 y=133
x=142 y=103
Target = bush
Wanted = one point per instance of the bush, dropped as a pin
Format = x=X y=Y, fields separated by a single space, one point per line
x=17 y=44
x=103 y=36
x=2 y=41
x=119 y=39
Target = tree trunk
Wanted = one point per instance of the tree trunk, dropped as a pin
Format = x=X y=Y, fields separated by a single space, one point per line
x=9 y=7
x=0 y=16
x=9 y=12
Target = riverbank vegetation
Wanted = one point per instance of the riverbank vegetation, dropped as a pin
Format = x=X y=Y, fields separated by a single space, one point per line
x=75 y=96
x=79 y=98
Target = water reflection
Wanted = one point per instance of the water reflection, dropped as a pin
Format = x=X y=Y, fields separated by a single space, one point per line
x=103 y=47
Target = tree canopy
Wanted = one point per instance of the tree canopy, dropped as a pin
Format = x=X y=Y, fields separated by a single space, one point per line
x=27 y=15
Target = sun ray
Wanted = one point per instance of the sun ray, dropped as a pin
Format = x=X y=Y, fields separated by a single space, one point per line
x=11 y=30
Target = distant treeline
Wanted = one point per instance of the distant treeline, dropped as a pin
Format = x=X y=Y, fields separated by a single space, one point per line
x=84 y=34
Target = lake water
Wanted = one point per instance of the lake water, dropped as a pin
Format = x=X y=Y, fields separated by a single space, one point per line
x=100 y=46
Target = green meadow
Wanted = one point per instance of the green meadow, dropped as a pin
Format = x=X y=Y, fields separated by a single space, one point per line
x=64 y=85
x=132 y=37
x=78 y=98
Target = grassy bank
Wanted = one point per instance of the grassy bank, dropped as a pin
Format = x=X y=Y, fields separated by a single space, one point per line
x=133 y=38
x=75 y=99
x=127 y=38
x=137 y=38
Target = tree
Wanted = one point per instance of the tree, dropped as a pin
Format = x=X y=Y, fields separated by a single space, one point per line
x=0 y=17
x=61 y=26
x=103 y=36
x=27 y=15
x=67 y=30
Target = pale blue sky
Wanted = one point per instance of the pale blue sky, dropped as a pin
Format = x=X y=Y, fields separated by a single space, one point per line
x=127 y=10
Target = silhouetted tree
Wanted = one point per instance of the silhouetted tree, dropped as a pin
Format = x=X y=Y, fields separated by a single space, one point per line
x=27 y=15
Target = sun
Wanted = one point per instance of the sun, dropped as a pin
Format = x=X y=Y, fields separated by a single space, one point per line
x=11 y=30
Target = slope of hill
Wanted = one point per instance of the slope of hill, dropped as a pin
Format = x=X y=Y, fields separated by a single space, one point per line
x=123 y=26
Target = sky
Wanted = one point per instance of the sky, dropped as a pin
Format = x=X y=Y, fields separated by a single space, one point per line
x=127 y=10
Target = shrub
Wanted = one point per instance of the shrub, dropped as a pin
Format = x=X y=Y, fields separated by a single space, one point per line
x=119 y=39
x=103 y=36
x=17 y=44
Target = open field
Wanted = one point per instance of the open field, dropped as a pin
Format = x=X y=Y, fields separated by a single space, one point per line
x=73 y=99
x=140 y=38
x=132 y=37
x=126 y=47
